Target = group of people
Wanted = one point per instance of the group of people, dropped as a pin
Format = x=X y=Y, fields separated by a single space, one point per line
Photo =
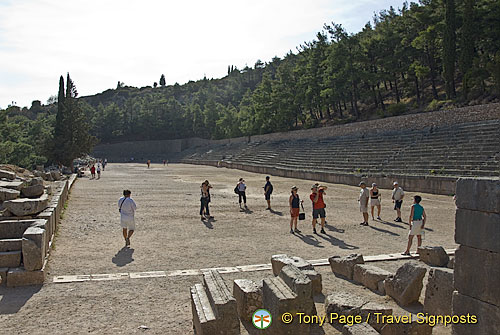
x=101 y=165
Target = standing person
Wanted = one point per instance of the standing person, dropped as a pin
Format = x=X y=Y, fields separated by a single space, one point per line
x=99 y=171
x=149 y=163
x=127 y=208
x=375 y=199
x=364 y=195
x=268 y=190
x=397 y=198
x=92 y=171
x=417 y=223
x=294 y=203
x=164 y=162
x=205 y=200
x=242 y=192
x=318 y=206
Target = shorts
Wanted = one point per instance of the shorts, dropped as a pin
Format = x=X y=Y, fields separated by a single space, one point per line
x=363 y=209
x=375 y=202
x=127 y=223
x=416 y=227
x=320 y=212
x=295 y=212
x=397 y=204
x=267 y=196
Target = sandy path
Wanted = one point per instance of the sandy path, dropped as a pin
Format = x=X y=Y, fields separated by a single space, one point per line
x=170 y=236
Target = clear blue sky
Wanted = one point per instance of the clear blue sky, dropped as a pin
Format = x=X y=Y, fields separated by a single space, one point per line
x=102 y=42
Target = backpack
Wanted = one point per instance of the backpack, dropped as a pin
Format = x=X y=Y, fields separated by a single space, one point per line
x=236 y=189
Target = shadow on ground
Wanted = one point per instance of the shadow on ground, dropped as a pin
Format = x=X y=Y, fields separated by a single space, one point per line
x=13 y=299
x=123 y=257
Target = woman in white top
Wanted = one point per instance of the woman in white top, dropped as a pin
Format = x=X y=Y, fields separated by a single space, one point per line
x=375 y=199
x=242 y=187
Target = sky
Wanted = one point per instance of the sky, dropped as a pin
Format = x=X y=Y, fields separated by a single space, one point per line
x=101 y=42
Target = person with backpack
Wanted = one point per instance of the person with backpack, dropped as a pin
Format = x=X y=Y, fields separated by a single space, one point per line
x=319 y=205
x=240 y=189
x=294 y=202
x=205 y=200
x=268 y=190
x=127 y=208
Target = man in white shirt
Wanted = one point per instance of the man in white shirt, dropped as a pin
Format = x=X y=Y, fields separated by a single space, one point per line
x=364 y=195
x=397 y=198
x=127 y=207
x=242 y=192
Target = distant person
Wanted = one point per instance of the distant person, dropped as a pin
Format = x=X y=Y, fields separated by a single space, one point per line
x=104 y=164
x=127 y=208
x=364 y=195
x=242 y=187
x=167 y=162
x=92 y=171
x=294 y=202
x=98 y=171
x=318 y=206
x=205 y=200
x=417 y=223
x=397 y=198
x=375 y=200
x=164 y=162
x=149 y=163
x=268 y=190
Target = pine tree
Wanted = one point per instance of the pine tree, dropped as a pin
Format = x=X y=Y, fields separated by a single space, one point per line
x=162 y=80
x=467 y=46
x=449 y=49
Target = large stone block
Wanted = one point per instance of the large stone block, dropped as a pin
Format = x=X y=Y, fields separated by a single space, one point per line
x=433 y=256
x=439 y=291
x=16 y=228
x=411 y=326
x=478 y=194
x=317 y=284
x=50 y=216
x=344 y=266
x=343 y=304
x=33 y=248
x=32 y=191
x=487 y=316
x=22 y=277
x=7 y=174
x=10 y=244
x=300 y=284
x=477 y=274
x=8 y=194
x=36 y=181
x=248 y=295
x=13 y=185
x=56 y=175
x=359 y=329
x=10 y=259
x=373 y=312
x=370 y=275
x=204 y=321
x=405 y=286
x=477 y=229
x=279 y=261
x=24 y=207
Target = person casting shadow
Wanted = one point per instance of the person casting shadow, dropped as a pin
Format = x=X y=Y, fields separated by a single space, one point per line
x=123 y=257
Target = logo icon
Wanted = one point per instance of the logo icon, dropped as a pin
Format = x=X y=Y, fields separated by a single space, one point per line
x=262 y=319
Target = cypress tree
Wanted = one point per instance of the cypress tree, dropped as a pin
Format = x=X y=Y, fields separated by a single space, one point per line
x=467 y=45
x=449 y=49
x=162 y=80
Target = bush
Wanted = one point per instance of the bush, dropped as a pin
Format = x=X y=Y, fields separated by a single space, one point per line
x=396 y=109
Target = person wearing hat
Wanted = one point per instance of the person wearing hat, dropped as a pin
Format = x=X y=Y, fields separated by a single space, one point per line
x=364 y=195
x=375 y=199
x=318 y=206
x=397 y=198
x=242 y=192
x=268 y=190
x=294 y=202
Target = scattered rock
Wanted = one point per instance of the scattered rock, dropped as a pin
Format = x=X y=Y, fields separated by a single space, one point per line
x=433 y=256
x=36 y=181
x=344 y=266
x=370 y=275
x=56 y=175
x=32 y=191
x=279 y=261
x=439 y=291
x=248 y=295
x=25 y=207
x=8 y=194
x=405 y=286
x=359 y=329
x=7 y=175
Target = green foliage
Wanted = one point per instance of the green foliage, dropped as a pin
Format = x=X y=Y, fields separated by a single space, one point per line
x=396 y=109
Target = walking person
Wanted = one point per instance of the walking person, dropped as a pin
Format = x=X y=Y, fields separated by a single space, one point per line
x=397 y=198
x=164 y=162
x=205 y=200
x=268 y=190
x=99 y=171
x=417 y=223
x=127 y=208
x=242 y=187
x=375 y=200
x=294 y=203
x=149 y=163
x=318 y=206
x=364 y=195
x=92 y=171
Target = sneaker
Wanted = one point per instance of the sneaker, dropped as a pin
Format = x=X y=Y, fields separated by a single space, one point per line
x=246 y=207
x=322 y=231
x=398 y=220
x=378 y=218
x=268 y=209
x=314 y=231
x=297 y=231
x=362 y=224
x=366 y=224
x=291 y=231
x=127 y=242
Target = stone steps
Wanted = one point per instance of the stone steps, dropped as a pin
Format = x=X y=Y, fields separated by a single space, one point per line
x=10 y=259
x=10 y=244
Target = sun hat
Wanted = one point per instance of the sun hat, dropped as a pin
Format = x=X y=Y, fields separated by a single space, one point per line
x=295 y=188
x=362 y=183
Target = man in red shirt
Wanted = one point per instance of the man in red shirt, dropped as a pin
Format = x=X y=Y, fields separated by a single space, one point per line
x=318 y=206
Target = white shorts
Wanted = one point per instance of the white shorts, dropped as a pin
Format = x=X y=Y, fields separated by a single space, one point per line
x=416 y=227
x=363 y=209
x=127 y=223
x=375 y=202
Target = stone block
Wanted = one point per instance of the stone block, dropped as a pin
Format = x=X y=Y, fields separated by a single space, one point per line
x=439 y=291
x=204 y=321
x=487 y=316
x=317 y=283
x=49 y=215
x=248 y=295
x=3 y=276
x=279 y=261
x=32 y=191
x=343 y=304
x=33 y=243
x=7 y=174
x=381 y=287
x=36 y=181
x=8 y=194
x=22 y=277
x=433 y=256
x=369 y=275
x=300 y=284
x=477 y=229
x=47 y=176
x=406 y=285
x=10 y=244
x=477 y=274
x=344 y=266
x=410 y=326
x=222 y=301
x=10 y=259
x=359 y=329
x=23 y=207
x=478 y=194
x=15 y=228
x=56 y=175
x=372 y=312
x=13 y=185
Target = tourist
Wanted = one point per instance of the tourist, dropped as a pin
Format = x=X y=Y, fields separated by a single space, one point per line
x=318 y=206
x=364 y=195
x=205 y=200
x=268 y=190
x=294 y=202
x=417 y=223
x=92 y=171
x=127 y=208
x=397 y=198
x=149 y=163
x=164 y=162
x=241 y=187
x=375 y=199
x=99 y=171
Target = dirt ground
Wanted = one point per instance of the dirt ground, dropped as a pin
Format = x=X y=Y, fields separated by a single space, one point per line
x=171 y=236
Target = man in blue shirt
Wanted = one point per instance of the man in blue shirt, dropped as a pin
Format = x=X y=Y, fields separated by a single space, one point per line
x=268 y=190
